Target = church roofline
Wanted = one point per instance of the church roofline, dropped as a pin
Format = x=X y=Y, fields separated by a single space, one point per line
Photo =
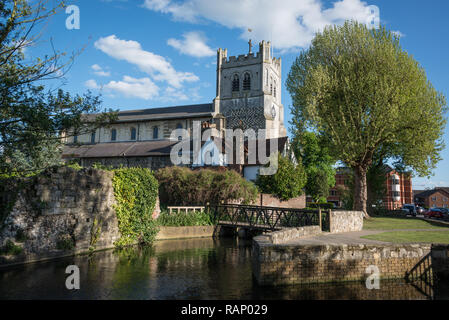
x=164 y=113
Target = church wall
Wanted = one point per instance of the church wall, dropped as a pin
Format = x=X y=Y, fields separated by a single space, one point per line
x=153 y=163
x=144 y=130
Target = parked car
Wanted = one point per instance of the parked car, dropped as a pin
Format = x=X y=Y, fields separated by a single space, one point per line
x=411 y=208
x=434 y=213
x=420 y=210
x=445 y=212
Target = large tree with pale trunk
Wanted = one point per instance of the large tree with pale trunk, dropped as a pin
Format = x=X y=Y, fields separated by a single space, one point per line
x=371 y=99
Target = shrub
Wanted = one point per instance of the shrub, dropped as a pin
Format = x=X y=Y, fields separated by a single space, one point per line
x=183 y=219
x=135 y=191
x=65 y=242
x=11 y=249
x=328 y=205
x=287 y=183
x=183 y=186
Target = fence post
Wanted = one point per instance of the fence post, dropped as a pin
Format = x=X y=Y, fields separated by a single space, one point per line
x=319 y=217
x=330 y=220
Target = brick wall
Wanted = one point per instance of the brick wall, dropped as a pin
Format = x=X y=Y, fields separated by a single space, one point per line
x=269 y=200
x=289 y=264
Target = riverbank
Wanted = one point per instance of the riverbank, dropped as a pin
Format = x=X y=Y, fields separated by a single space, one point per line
x=336 y=257
x=201 y=268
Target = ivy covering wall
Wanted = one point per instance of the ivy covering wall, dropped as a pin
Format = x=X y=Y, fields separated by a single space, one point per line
x=136 y=192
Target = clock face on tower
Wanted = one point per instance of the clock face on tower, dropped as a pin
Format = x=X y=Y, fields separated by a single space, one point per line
x=273 y=112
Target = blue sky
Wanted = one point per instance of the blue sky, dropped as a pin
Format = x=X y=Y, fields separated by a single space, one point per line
x=154 y=53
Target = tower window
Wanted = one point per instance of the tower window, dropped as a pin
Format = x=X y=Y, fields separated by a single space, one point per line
x=155 y=133
x=133 y=133
x=274 y=89
x=246 y=82
x=113 y=134
x=235 y=83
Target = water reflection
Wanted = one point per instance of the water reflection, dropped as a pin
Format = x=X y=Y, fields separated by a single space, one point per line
x=178 y=269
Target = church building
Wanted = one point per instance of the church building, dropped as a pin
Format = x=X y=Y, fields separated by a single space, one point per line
x=248 y=96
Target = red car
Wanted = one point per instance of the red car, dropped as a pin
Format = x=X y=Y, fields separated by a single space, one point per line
x=434 y=213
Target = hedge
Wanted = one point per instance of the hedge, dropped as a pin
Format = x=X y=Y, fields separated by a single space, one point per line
x=183 y=187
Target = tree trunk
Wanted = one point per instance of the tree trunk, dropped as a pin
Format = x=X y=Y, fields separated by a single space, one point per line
x=360 y=190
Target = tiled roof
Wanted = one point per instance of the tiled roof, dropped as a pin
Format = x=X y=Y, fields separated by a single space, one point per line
x=120 y=149
x=150 y=148
x=178 y=112
x=428 y=193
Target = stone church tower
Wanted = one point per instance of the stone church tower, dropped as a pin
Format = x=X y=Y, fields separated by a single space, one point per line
x=249 y=91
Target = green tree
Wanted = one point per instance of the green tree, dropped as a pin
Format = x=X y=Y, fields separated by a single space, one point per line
x=34 y=122
x=288 y=181
x=317 y=162
x=360 y=90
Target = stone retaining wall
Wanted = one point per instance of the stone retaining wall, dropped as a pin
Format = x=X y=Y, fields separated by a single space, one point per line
x=59 y=213
x=166 y=233
x=284 y=235
x=290 y=264
x=345 y=221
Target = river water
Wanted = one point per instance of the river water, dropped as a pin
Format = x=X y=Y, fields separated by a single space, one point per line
x=181 y=269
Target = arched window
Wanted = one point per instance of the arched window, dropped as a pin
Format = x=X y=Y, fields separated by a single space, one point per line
x=274 y=89
x=155 y=133
x=271 y=85
x=92 y=137
x=247 y=81
x=113 y=134
x=235 y=83
x=133 y=133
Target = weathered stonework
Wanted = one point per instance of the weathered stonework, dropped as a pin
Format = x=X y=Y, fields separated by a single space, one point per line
x=286 y=234
x=345 y=221
x=153 y=163
x=60 y=212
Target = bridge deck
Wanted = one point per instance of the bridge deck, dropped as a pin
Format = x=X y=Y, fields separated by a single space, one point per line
x=247 y=225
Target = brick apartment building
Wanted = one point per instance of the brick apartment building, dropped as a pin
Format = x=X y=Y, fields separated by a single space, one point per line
x=398 y=188
x=438 y=197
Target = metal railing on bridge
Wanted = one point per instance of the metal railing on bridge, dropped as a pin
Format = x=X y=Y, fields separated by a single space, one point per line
x=268 y=218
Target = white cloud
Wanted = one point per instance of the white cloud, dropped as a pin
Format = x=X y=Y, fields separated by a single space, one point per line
x=92 y=84
x=154 y=65
x=99 y=71
x=193 y=44
x=288 y=23
x=142 y=88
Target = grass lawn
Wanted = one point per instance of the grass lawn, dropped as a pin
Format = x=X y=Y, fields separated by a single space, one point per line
x=411 y=236
x=387 y=223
